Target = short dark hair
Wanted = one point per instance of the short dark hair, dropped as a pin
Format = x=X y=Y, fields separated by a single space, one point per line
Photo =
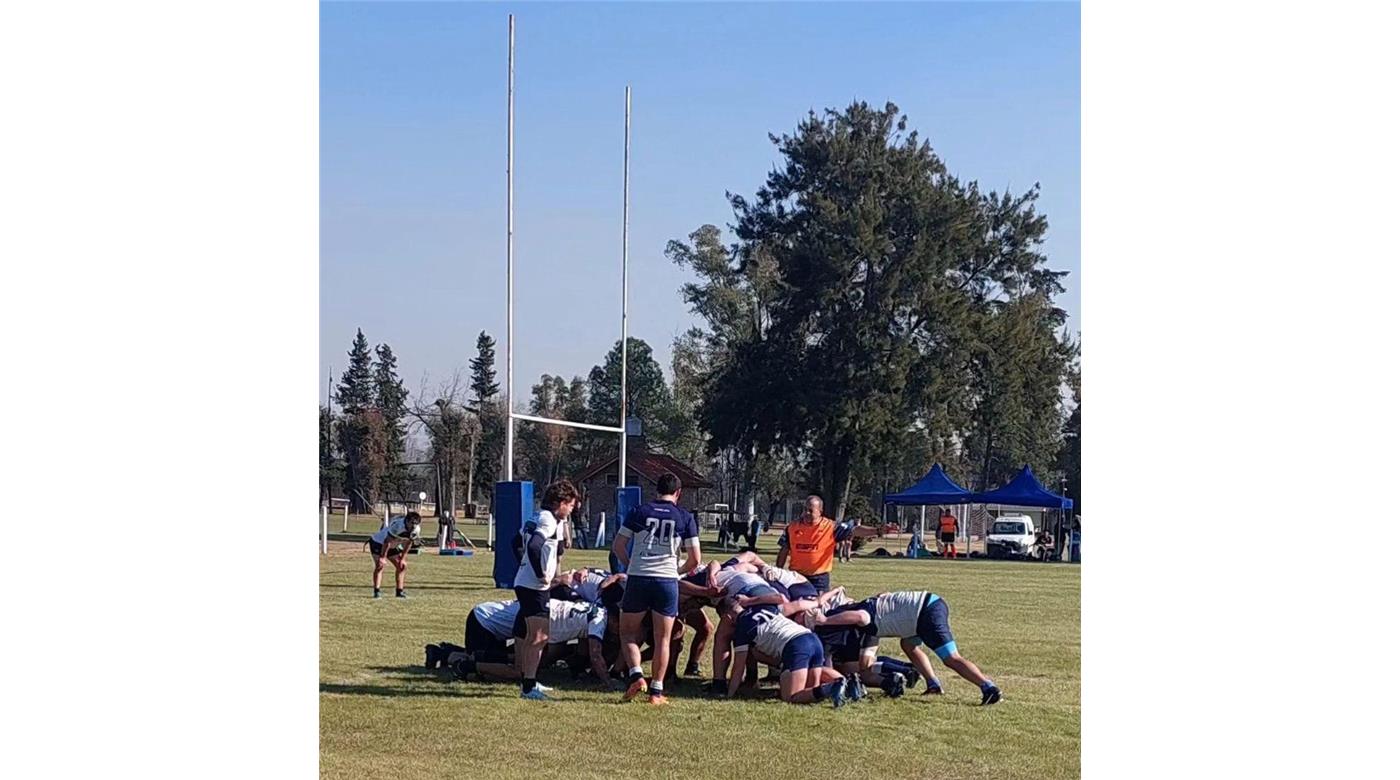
x=413 y=518
x=667 y=484
x=557 y=493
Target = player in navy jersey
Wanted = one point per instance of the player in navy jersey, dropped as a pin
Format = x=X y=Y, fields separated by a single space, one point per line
x=655 y=530
x=805 y=678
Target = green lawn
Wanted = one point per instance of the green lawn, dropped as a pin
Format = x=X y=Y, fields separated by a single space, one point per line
x=383 y=714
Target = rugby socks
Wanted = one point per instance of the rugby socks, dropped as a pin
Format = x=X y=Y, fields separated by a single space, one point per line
x=634 y=674
x=988 y=684
x=376 y=592
x=655 y=689
x=823 y=692
x=527 y=684
x=894 y=665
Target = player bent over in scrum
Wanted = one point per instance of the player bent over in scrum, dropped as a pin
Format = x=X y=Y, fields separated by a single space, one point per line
x=916 y=618
x=805 y=678
x=392 y=542
x=656 y=530
x=538 y=547
x=490 y=628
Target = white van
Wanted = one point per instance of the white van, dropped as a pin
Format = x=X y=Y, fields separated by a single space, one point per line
x=1011 y=536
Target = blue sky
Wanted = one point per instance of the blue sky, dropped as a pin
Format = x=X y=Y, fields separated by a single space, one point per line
x=413 y=149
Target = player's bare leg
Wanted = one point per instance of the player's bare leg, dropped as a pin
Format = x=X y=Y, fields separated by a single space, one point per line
x=697 y=620
x=631 y=629
x=920 y=659
x=378 y=572
x=661 y=627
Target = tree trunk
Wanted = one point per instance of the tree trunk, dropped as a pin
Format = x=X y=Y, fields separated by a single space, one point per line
x=840 y=481
x=471 y=467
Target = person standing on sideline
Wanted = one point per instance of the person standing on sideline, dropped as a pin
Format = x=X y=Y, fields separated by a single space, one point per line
x=657 y=530
x=538 y=546
x=808 y=546
x=948 y=534
x=392 y=542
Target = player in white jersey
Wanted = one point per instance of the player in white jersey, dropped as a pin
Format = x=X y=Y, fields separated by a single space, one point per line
x=805 y=678
x=490 y=630
x=538 y=548
x=916 y=618
x=790 y=583
x=589 y=584
x=646 y=545
x=392 y=542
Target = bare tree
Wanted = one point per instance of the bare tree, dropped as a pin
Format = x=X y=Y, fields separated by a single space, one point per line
x=452 y=429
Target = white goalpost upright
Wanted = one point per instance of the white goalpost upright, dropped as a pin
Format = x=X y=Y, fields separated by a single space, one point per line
x=621 y=428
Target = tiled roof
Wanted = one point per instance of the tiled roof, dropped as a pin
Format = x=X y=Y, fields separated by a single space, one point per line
x=650 y=465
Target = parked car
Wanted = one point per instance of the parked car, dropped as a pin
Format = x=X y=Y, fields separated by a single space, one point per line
x=1011 y=536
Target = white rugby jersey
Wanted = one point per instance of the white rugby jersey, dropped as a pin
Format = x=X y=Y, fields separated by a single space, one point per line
x=570 y=620
x=897 y=614
x=735 y=581
x=397 y=528
x=553 y=532
x=767 y=630
x=498 y=617
x=785 y=577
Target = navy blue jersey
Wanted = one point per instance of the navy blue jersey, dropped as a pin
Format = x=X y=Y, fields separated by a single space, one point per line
x=657 y=530
x=765 y=628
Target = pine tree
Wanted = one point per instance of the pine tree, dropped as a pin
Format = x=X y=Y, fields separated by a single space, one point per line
x=362 y=430
x=488 y=446
x=391 y=398
x=484 y=386
x=356 y=389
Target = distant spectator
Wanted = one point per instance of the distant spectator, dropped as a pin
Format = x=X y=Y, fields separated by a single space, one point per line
x=948 y=534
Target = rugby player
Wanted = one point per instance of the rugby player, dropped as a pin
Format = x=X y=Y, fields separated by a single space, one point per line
x=539 y=560
x=656 y=530
x=733 y=584
x=392 y=542
x=805 y=678
x=490 y=629
x=788 y=582
x=915 y=618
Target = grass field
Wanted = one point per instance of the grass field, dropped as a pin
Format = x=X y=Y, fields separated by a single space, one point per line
x=382 y=712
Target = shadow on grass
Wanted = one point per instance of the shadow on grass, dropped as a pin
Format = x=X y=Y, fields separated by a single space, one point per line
x=416 y=586
x=383 y=690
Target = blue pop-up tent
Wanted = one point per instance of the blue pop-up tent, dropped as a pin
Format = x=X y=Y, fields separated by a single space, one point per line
x=935 y=487
x=1023 y=490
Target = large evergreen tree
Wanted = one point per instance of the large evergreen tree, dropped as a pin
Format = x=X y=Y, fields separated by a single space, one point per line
x=488 y=451
x=391 y=399
x=484 y=386
x=849 y=309
x=363 y=436
x=356 y=389
x=648 y=397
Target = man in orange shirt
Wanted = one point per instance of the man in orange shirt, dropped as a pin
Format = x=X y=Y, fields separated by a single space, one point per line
x=808 y=546
x=948 y=534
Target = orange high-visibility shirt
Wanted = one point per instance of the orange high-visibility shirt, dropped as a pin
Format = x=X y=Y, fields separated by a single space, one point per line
x=948 y=524
x=811 y=546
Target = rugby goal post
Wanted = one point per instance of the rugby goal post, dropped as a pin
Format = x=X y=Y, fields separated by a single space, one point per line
x=514 y=499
